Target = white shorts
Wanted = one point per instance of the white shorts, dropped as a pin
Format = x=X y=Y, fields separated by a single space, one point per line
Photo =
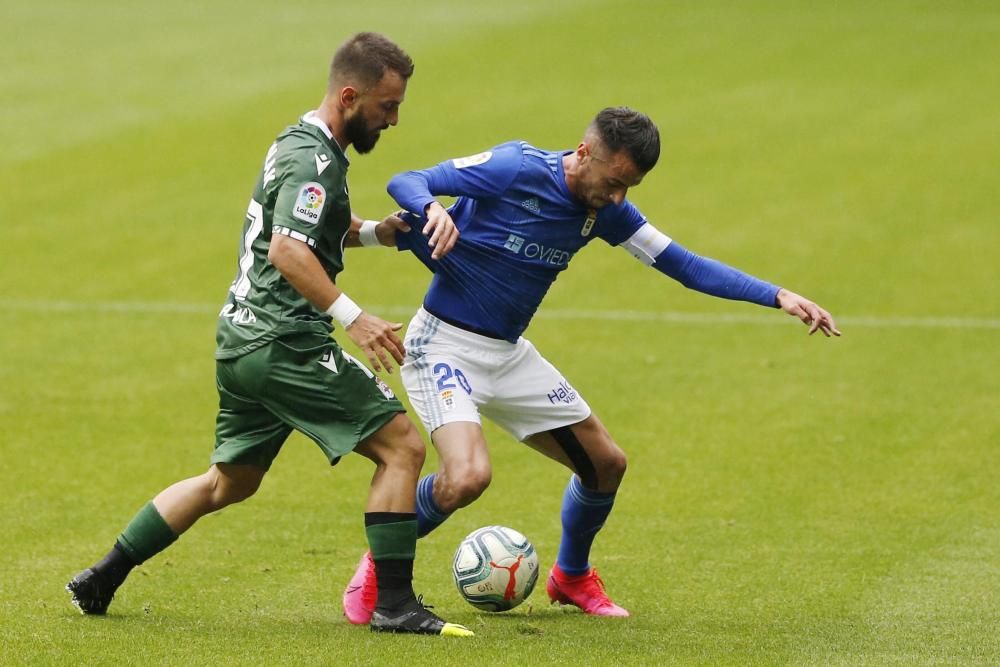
x=453 y=375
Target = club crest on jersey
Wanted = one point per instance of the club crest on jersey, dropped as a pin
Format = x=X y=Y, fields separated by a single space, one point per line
x=384 y=388
x=589 y=224
x=472 y=160
x=448 y=399
x=309 y=203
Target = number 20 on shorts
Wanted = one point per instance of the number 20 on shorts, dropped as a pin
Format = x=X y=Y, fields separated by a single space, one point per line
x=445 y=374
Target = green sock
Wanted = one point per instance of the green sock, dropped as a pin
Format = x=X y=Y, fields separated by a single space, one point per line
x=392 y=538
x=146 y=535
x=391 y=535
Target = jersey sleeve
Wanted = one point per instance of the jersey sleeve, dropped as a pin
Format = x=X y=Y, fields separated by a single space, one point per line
x=621 y=223
x=303 y=200
x=479 y=176
x=702 y=274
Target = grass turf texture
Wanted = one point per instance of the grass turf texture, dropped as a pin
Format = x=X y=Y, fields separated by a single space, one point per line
x=790 y=500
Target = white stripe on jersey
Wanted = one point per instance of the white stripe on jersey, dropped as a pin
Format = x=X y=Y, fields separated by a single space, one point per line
x=298 y=236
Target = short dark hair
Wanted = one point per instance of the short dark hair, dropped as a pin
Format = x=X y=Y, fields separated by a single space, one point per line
x=364 y=58
x=622 y=129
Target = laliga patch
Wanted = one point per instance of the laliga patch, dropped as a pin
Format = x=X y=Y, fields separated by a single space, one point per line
x=472 y=160
x=309 y=203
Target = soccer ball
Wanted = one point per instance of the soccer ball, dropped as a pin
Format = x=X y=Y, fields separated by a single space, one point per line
x=495 y=568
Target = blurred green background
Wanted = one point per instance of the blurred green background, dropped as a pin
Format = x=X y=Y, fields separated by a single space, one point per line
x=791 y=500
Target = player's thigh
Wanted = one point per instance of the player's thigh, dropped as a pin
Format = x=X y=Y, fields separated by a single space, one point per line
x=464 y=470
x=445 y=384
x=395 y=443
x=462 y=450
x=310 y=384
x=587 y=449
x=532 y=396
x=247 y=433
x=233 y=482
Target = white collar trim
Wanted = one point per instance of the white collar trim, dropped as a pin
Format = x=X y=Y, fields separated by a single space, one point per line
x=311 y=118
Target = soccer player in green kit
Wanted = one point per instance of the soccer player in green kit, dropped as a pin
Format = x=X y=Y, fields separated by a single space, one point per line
x=278 y=369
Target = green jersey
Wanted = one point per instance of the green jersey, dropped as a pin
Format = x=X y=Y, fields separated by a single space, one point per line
x=301 y=193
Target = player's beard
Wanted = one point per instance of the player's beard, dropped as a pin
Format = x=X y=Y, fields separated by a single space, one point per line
x=359 y=135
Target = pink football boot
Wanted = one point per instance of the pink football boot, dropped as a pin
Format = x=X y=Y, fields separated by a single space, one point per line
x=585 y=591
x=362 y=592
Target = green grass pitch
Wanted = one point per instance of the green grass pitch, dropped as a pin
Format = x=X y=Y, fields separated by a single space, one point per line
x=790 y=500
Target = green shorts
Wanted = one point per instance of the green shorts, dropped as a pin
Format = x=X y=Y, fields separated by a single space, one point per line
x=303 y=382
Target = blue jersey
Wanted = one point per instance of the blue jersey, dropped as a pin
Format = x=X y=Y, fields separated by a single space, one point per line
x=519 y=227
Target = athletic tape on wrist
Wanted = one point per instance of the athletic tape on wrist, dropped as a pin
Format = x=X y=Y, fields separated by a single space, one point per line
x=367 y=233
x=344 y=311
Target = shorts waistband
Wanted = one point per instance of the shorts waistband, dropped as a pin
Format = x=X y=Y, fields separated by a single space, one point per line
x=464 y=327
x=480 y=338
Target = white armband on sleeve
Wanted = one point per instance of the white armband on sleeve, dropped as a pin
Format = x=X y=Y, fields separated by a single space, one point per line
x=646 y=244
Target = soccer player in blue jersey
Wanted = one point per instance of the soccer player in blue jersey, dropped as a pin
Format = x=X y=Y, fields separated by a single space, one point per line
x=523 y=213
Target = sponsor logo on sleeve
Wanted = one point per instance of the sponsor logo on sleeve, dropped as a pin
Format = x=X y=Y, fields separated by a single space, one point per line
x=472 y=160
x=309 y=203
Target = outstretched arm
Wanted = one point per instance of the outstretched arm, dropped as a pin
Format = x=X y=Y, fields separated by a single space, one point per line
x=709 y=276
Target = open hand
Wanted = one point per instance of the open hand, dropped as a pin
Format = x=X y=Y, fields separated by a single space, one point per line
x=377 y=339
x=807 y=311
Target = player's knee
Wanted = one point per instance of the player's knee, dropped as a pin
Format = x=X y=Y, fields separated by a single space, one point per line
x=231 y=486
x=407 y=449
x=233 y=491
x=411 y=451
x=395 y=445
x=464 y=485
x=611 y=468
x=475 y=483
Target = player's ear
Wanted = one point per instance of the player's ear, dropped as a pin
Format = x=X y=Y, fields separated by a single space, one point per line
x=348 y=96
x=582 y=151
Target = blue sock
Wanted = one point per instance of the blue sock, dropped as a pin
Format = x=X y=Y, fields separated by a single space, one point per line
x=429 y=515
x=583 y=515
